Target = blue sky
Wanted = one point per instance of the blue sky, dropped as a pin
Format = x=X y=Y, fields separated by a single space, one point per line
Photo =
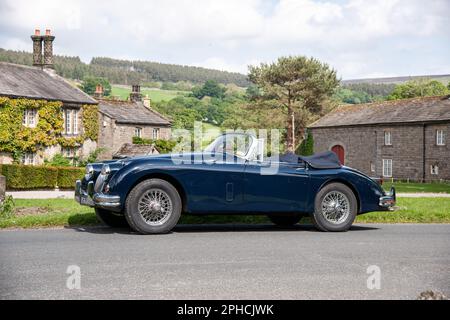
x=359 y=38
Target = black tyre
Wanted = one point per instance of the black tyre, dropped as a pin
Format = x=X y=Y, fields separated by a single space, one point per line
x=153 y=206
x=285 y=220
x=335 y=208
x=111 y=219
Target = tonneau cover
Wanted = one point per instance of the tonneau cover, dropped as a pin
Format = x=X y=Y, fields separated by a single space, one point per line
x=322 y=160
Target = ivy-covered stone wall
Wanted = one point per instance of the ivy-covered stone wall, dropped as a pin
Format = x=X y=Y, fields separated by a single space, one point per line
x=15 y=138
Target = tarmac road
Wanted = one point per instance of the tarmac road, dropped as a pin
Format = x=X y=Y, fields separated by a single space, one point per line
x=226 y=262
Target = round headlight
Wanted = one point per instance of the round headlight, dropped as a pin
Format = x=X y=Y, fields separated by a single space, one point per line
x=89 y=169
x=106 y=169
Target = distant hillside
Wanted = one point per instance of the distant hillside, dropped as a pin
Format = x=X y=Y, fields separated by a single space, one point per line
x=128 y=72
x=444 y=78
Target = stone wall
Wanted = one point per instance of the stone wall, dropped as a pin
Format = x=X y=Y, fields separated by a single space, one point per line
x=6 y=158
x=437 y=155
x=365 y=150
x=358 y=143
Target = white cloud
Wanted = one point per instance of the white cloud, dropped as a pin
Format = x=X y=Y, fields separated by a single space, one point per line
x=229 y=34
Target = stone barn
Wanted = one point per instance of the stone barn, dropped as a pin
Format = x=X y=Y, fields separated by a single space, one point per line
x=401 y=139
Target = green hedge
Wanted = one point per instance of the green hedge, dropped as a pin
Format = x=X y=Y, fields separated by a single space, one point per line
x=39 y=177
x=67 y=176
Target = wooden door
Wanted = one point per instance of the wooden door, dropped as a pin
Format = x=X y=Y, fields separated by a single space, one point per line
x=339 y=150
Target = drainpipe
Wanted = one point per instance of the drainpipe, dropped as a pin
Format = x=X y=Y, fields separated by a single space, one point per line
x=423 y=153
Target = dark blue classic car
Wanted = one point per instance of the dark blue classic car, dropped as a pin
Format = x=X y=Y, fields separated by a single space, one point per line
x=150 y=193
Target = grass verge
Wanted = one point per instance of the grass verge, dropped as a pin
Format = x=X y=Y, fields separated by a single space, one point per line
x=65 y=212
x=406 y=187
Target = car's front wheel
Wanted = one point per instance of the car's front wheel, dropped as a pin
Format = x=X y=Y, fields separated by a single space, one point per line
x=335 y=208
x=285 y=220
x=153 y=206
x=111 y=219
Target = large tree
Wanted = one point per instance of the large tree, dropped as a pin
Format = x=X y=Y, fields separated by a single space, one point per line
x=296 y=84
x=210 y=89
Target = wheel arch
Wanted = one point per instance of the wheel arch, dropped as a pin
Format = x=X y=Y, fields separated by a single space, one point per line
x=166 y=177
x=349 y=185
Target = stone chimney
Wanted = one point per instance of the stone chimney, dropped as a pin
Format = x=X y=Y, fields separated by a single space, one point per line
x=48 y=49
x=98 y=94
x=146 y=101
x=135 y=94
x=37 y=48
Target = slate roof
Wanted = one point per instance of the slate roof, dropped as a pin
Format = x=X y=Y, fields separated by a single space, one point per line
x=131 y=112
x=134 y=150
x=418 y=110
x=18 y=81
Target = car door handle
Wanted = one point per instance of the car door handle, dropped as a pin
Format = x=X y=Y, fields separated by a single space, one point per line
x=229 y=192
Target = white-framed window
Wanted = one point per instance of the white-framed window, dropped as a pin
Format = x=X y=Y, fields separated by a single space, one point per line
x=68 y=121
x=387 y=168
x=155 y=134
x=29 y=158
x=440 y=137
x=387 y=138
x=69 y=152
x=70 y=117
x=29 y=118
x=138 y=132
x=372 y=167
x=434 y=169
x=75 y=121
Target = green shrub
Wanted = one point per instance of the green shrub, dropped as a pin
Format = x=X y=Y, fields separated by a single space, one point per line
x=29 y=177
x=58 y=160
x=306 y=148
x=139 y=140
x=40 y=177
x=68 y=176
x=7 y=208
x=163 y=146
x=92 y=157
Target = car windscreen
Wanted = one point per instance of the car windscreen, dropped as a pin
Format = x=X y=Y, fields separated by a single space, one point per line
x=235 y=144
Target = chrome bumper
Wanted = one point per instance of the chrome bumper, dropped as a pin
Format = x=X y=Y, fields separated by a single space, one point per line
x=90 y=198
x=388 y=200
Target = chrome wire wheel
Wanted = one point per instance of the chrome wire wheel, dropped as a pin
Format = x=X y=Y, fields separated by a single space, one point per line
x=335 y=207
x=155 y=207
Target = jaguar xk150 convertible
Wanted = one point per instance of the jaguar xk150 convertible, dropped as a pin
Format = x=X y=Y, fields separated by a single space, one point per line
x=150 y=193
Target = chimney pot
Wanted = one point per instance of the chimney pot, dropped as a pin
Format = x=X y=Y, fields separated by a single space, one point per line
x=48 y=32
x=37 y=32
x=98 y=91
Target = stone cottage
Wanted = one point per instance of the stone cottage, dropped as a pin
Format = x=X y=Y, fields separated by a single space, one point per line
x=37 y=83
x=120 y=121
x=404 y=139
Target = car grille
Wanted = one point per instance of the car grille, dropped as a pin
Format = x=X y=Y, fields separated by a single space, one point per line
x=98 y=187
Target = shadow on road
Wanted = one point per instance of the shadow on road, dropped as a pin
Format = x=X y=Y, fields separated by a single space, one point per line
x=187 y=228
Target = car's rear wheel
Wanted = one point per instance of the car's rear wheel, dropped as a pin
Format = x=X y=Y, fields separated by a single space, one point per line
x=285 y=220
x=335 y=208
x=153 y=206
x=111 y=219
